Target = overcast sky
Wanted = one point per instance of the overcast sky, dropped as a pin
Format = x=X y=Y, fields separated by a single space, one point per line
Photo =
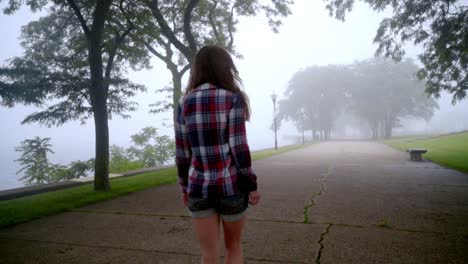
x=308 y=37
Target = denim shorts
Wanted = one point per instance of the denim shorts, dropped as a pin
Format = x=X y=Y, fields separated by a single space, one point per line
x=230 y=208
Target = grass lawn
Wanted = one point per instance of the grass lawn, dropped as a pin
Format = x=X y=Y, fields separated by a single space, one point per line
x=448 y=150
x=27 y=208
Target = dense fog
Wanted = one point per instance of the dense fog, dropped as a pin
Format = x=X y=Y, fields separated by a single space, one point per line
x=328 y=84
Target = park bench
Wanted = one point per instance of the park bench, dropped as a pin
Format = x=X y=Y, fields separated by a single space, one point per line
x=415 y=154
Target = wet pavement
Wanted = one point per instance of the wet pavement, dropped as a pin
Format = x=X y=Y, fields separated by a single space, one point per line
x=333 y=202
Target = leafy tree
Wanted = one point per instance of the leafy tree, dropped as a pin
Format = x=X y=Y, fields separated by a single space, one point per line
x=121 y=161
x=150 y=148
x=76 y=56
x=440 y=26
x=36 y=165
x=74 y=170
x=37 y=168
x=377 y=90
x=185 y=26
x=315 y=98
x=383 y=92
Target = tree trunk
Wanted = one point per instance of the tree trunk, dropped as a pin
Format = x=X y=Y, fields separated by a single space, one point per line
x=101 y=173
x=99 y=96
x=177 y=84
x=388 y=132
x=382 y=129
x=99 y=104
x=98 y=90
x=375 y=130
x=388 y=129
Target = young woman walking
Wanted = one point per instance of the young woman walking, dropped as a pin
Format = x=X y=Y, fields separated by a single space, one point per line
x=212 y=154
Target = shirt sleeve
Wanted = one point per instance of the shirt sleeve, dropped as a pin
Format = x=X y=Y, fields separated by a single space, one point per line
x=183 y=151
x=239 y=146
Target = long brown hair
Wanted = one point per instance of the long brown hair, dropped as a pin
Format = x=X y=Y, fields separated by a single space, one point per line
x=213 y=64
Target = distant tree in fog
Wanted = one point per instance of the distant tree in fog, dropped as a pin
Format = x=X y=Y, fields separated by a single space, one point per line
x=440 y=26
x=316 y=96
x=120 y=160
x=382 y=92
x=151 y=149
x=37 y=168
x=378 y=91
x=34 y=161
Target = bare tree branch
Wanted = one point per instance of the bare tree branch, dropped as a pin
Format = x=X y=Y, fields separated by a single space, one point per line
x=187 y=27
x=187 y=67
x=230 y=28
x=119 y=39
x=78 y=14
x=161 y=41
x=212 y=23
x=167 y=31
x=154 y=51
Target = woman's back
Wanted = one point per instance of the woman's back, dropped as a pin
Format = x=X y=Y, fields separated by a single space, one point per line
x=212 y=139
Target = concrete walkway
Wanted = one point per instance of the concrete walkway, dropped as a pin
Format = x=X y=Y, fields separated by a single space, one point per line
x=336 y=202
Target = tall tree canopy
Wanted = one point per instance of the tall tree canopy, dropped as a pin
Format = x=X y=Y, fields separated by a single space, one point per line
x=440 y=26
x=75 y=57
x=382 y=92
x=183 y=26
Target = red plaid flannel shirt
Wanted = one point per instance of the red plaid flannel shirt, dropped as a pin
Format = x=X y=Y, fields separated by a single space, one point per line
x=212 y=154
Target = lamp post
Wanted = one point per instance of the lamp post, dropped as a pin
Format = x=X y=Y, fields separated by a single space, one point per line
x=302 y=125
x=273 y=97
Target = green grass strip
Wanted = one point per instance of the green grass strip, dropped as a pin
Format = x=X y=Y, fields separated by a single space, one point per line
x=448 y=150
x=35 y=206
x=270 y=152
x=27 y=208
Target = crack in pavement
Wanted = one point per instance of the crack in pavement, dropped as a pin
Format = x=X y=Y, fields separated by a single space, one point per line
x=444 y=185
x=322 y=238
x=320 y=192
x=163 y=216
x=142 y=250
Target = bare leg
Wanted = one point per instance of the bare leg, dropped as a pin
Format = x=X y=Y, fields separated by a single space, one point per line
x=232 y=240
x=208 y=231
